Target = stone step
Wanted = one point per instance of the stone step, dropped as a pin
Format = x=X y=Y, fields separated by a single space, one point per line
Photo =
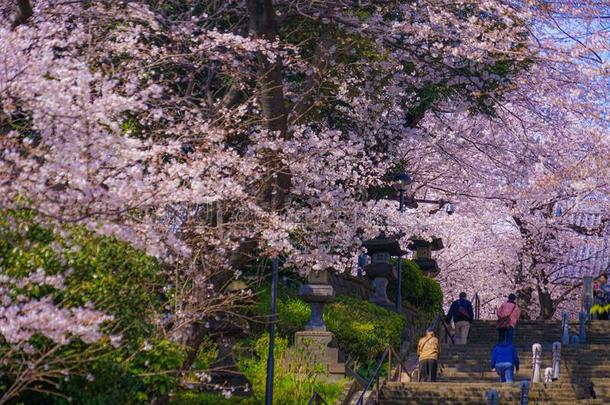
x=473 y=393
x=464 y=375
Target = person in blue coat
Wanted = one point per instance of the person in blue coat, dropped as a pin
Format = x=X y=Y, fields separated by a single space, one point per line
x=504 y=360
x=460 y=312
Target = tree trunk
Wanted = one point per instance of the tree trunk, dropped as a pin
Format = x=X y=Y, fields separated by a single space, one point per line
x=547 y=304
x=25 y=12
x=263 y=25
x=274 y=192
x=524 y=299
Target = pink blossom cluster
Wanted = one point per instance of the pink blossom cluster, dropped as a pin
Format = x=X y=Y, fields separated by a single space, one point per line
x=501 y=108
x=19 y=321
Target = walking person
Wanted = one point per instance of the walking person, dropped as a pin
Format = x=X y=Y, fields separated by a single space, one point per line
x=504 y=361
x=508 y=316
x=601 y=296
x=428 y=349
x=462 y=315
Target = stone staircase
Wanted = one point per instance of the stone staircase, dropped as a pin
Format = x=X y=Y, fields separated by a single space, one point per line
x=465 y=377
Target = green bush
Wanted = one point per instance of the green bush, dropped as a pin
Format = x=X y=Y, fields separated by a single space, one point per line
x=362 y=329
x=128 y=377
x=292 y=312
x=294 y=381
x=207 y=398
x=421 y=291
x=115 y=278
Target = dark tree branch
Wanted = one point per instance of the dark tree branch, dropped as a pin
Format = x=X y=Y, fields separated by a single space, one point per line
x=25 y=12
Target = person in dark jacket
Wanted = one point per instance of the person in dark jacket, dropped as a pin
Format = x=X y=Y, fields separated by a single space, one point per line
x=504 y=360
x=460 y=312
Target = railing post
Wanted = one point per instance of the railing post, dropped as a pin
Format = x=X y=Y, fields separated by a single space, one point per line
x=556 y=360
x=389 y=364
x=399 y=376
x=525 y=392
x=536 y=354
x=477 y=306
x=587 y=295
x=565 y=326
x=377 y=390
x=582 y=330
x=492 y=397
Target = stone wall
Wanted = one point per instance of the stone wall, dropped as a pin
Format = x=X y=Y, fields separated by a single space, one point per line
x=345 y=284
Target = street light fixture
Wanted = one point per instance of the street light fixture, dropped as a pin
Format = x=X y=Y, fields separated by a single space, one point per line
x=402 y=181
x=450 y=208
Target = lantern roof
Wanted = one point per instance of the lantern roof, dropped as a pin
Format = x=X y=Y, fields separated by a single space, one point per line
x=382 y=243
x=435 y=244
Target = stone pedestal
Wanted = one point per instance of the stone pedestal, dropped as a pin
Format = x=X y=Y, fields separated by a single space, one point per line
x=318 y=347
x=380 y=296
x=225 y=374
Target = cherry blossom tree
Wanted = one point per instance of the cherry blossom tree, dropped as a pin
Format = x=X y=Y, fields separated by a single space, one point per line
x=212 y=134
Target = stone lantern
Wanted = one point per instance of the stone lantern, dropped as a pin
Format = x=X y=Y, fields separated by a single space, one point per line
x=316 y=293
x=315 y=341
x=381 y=249
x=422 y=254
x=224 y=374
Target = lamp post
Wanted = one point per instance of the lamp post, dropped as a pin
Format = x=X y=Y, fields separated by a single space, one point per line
x=362 y=259
x=399 y=282
x=270 y=356
x=402 y=181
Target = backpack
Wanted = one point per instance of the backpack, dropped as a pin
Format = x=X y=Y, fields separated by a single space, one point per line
x=504 y=322
x=463 y=312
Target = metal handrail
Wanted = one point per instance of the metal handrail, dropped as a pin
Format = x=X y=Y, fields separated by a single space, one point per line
x=388 y=352
x=316 y=399
x=372 y=379
x=477 y=306
x=439 y=318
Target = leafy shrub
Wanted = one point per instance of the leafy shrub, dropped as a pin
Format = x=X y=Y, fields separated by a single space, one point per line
x=421 y=291
x=362 y=329
x=128 y=377
x=292 y=312
x=207 y=398
x=294 y=381
x=116 y=279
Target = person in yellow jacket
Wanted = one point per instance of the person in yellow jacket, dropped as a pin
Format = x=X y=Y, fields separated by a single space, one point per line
x=428 y=349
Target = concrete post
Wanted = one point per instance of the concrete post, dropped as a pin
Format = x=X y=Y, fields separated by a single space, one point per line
x=556 y=360
x=582 y=330
x=548 y=375
x=536 y=359
x=565 y=336
x=525 y=392
x=492 y=397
